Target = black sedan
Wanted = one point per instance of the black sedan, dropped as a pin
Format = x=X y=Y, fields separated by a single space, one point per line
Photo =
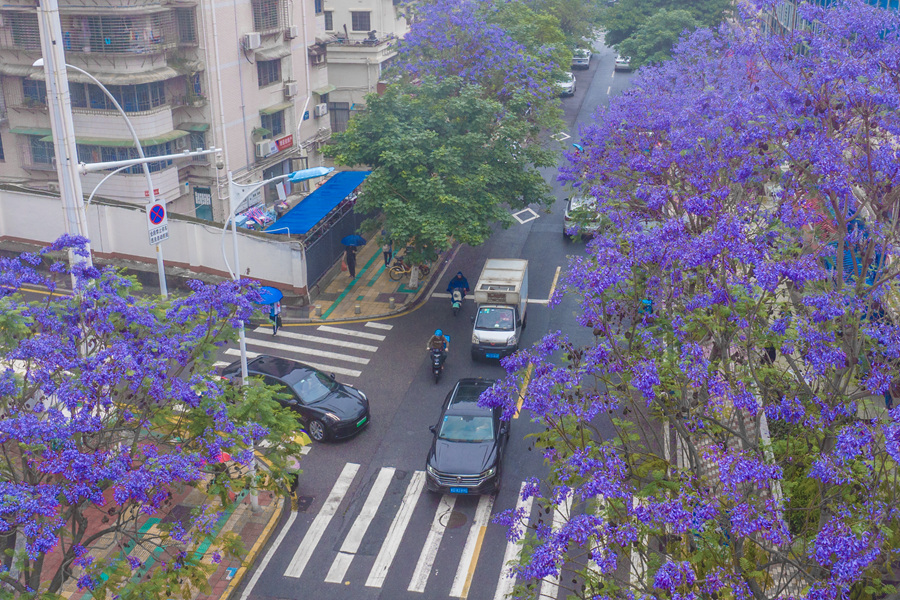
x=329 y=410
x=467 y=451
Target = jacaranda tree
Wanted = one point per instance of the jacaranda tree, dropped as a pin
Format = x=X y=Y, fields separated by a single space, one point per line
x=108 y=405
x=728 y=433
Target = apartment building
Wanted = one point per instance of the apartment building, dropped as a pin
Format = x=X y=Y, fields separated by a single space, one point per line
x=784 y=16
x=361 y=44
x=248 y=76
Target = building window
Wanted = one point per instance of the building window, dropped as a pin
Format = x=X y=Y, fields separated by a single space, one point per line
x=360 y=21
x=186 y=20
x=274 y=123
x=24 y=27
x=268 y=71
x=319 y=6
x=197 y=84
x=34 y=91
x=329 y=20
x=132 y=98
x=78 y=95
x=88 y=153
x=266 y=15
x=41 y=152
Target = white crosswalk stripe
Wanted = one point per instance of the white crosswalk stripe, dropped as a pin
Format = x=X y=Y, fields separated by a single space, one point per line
x=318 y=339
x=351 y=332
x=383 y=326
x=269 y=345
x=513 y=552
x=395 y=533
x=432 y=543
x=320 y=366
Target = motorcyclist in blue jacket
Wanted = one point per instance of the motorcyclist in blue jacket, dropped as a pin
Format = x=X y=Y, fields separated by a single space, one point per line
x=459 y=282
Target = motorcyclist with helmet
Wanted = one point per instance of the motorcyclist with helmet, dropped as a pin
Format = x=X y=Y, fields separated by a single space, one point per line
x=439 y=342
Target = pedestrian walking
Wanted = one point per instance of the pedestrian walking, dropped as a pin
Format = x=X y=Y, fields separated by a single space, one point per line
x=387 y=249
x=275 y=316
x=351 y=261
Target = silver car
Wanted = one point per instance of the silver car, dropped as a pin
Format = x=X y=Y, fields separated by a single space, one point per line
x=581 y=59
x=623 y=63
x=566 y=85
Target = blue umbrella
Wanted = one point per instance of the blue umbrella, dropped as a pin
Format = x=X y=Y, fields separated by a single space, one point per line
x=312 y=173
x=354 y=240
x=269 y=295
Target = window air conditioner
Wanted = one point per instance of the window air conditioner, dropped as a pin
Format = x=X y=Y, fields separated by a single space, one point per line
x=265 y=148
x=320 y=110
x=181 y=143
x=291 y=89
x=252 y=41
x=291 y=32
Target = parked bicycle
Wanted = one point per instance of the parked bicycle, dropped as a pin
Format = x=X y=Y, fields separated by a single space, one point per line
x=401 y=269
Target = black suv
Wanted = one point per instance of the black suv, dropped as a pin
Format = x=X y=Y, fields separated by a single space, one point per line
x=329 y=410
x=468 y=445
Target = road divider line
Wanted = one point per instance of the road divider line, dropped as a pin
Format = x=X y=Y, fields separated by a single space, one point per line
x=553 y=285
x=361 y=334
x=304 y=350
x=320 y=366
x=550 y=584
x=320 y=523
x=320 y=340
x=360 y=526
x=395 y=534
x=469 y=559
x=513 y=552
x=375 y=325
x=522 y=388
x=432 y=543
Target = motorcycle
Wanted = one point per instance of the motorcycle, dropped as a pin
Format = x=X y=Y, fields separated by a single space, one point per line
x=456 y=300
x=437 y=362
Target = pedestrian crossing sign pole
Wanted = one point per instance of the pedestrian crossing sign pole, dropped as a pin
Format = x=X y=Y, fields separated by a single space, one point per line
x=157 y=223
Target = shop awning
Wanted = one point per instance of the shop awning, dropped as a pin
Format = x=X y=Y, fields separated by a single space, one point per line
x=271 y=110
x=325 y=89
x=116 y=78
x=194 y=126
x=313 y=208
x=160 y=139
x=32 y=131
x=273 y=53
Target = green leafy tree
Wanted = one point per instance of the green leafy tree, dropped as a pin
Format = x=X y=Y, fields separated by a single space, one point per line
x=626 y=18
x=447 y=163
x=653 y=42
x=535 y=30
x=577 y=18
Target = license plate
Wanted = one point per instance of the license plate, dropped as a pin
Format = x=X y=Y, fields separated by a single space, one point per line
x=459 y=490
x=362 y=421
x=492 y=355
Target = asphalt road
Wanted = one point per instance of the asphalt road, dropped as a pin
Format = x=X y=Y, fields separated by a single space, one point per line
x=363 y=531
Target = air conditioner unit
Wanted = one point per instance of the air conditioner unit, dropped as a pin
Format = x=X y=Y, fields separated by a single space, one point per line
x=252 y=41
x=320 y=110
x=53 y=186
x=291 y=89
x=265 y=148
x=291 y=32
x=181 y=143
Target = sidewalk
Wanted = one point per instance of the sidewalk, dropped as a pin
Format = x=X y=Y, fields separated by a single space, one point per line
x=371 y=294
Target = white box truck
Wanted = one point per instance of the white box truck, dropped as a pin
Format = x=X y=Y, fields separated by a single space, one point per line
x=501 y=299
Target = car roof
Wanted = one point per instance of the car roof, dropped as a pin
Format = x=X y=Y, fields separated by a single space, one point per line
x=464 y=399
x=276 y=366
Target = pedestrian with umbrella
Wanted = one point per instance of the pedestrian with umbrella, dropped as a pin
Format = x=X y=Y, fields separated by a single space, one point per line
x=352 y=241
x=272 y=296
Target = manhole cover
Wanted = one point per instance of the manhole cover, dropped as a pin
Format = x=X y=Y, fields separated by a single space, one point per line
x=454 y=519
x=304 y=502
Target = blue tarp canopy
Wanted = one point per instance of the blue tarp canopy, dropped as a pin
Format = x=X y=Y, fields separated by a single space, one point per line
x=313 y=208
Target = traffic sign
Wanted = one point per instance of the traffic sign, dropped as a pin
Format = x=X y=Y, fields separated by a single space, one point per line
x=157 y=223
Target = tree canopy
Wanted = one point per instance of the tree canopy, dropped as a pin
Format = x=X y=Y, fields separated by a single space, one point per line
x=729 y=433
x=447 y=163
x=108 y=402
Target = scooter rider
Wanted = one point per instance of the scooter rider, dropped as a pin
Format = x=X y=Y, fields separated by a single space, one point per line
x=439 y=342
x=459 y=282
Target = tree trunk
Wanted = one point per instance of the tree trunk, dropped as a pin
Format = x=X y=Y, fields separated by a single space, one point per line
x=414 y=277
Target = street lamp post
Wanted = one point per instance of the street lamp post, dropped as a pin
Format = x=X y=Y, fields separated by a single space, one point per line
x=163 y=288
x=237 y=194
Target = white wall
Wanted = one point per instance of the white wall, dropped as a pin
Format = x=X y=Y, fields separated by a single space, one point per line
x=121 y=232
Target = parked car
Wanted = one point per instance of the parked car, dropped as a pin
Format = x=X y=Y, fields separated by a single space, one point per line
x=581 y=59
x=467 y=451
x=623 y=63
x=328 y=410
x=581 y=216
x=566 y=84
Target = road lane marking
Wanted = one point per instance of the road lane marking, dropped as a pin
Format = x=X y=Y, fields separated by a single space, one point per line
x=257 y=573
x=522 y=388
x=360 y=526
x=395 y=534
x=321 y=340
x=550 y=584
x=472 y=549
x=362 y=334
x=432 y=542
x=320 y=523
x=555 y=281
x=320 y=366
x=383 y=326
x=220 y=364
x=513 y=552
x=304 y=350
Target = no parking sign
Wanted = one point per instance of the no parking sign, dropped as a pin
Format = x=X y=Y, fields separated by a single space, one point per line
x=157 y=223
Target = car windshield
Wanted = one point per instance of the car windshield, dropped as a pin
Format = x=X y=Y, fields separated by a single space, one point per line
x=467 y=428
x=499 y=319
x=311 y=386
